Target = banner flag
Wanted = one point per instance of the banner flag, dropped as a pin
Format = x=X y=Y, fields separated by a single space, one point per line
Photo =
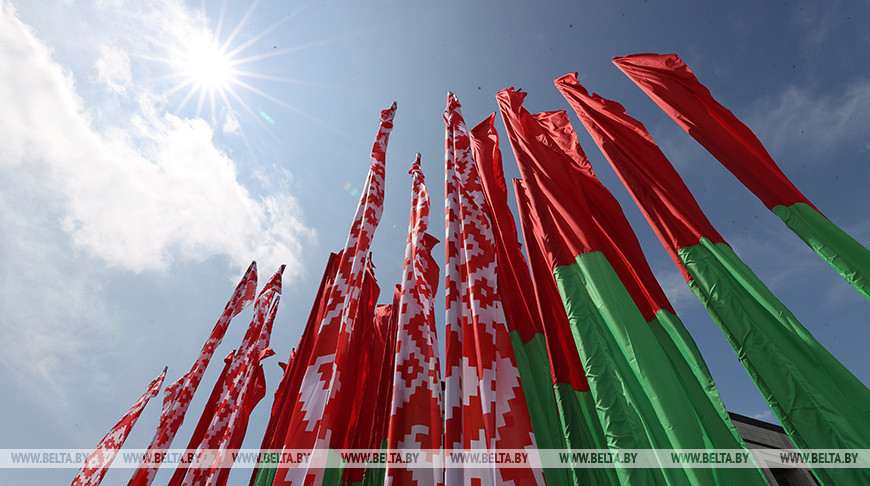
x=311 y=419
x=288 y=388
x=533 y=335
x=98 y=462
x=485 y=407
x=817 y=400
x=672 y=85
x=177 y=396
x=224 y=421
x=415 y=419
x=606 y=286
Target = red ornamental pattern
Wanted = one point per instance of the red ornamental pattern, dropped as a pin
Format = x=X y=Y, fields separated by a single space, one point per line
x=97 y=464
x=485 y=405
x=239 y=381
x=178 y=395
x=415 y=415
x=316 y=407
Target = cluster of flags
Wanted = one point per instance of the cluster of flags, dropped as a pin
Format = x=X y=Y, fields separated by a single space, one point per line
x=572 y=345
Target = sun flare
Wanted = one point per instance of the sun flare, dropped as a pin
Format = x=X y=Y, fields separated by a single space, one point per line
x=206 y=65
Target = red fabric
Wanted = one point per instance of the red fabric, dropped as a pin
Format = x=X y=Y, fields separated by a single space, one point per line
x=314 y=413
x=386 y=322
x=584 y=213
x=564 y=358
x=653 y=182
x=288 y=388
x=513 y=275
x=237 y=384
x=177 y=396
x=351 y=404
x=670 y=83
x=414 y=408
x=484 y=403
x=204 y=419
x=98 y=462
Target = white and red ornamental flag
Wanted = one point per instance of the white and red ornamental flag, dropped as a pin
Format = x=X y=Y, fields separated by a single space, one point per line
x=485 y=407
x=317 y=407
x=229 y=420
x=97 y=464
x=415 y=414
x=177 y=396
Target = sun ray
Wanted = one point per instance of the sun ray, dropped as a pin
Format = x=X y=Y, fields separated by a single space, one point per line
x=257 y=37
x=202 y=94
x=288 y=50
x=187 y=98
x=220 y=22
x=295 y=110
x=239 y=26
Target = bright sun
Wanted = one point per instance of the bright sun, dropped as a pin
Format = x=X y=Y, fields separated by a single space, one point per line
x=206 y=65
x=210 y=70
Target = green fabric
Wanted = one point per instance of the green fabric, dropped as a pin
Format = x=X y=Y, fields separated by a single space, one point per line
x=374 y=476
x=848 y=257
x=820 y=404
x=639 y=397
x=533 y=364
x=686 y=360
x=265 y=476
x=582 y=430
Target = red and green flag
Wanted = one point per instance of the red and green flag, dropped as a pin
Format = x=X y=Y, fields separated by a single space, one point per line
x=556 y=390
x=485 y=407
x=820 y=404
x=650 y=396
x=415 y=419
x=673 y=86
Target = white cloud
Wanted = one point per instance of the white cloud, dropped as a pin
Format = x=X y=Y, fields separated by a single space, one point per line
x=802 y=121
x=139 y=196
x=113 y=68
x=231 y=123
x=766 y=416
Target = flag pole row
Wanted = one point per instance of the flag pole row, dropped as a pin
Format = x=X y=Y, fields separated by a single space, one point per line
x=572 y=345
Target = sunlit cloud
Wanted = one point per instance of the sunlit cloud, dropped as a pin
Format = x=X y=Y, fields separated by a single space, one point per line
x=142 y=196
x=806 y=122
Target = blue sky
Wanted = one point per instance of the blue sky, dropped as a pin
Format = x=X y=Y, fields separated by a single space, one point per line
x=129 y=210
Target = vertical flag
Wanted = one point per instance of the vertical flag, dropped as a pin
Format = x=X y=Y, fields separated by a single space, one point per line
x=177 y=396
x=240 y=384
x=819 y=402
x=673 y=86
x=577 y=410
x=97 y=464
x=285 y=395
x=616 y=308
x=378 y=417
x=310 y=424
x=485 y=406
x=528 y=329
x=415 y=409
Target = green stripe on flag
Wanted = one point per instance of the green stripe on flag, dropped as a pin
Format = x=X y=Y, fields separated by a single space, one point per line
x=820 y=404
x=533 y=364
x=848 y=257
x=696 y=379
x=265 y=476
x=582 y=430
x=639 y=399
